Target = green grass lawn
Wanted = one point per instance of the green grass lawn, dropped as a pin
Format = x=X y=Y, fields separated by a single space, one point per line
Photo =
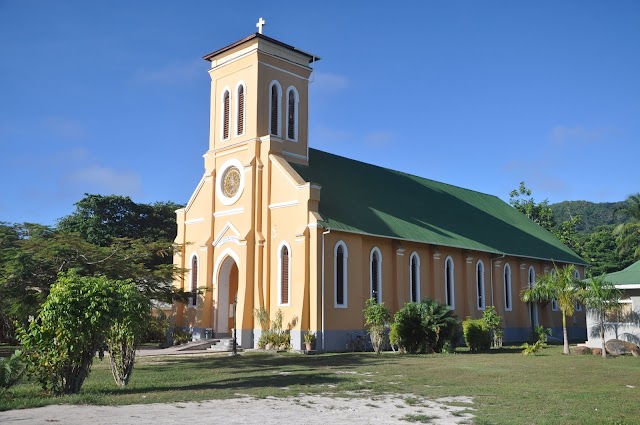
x=506 y=386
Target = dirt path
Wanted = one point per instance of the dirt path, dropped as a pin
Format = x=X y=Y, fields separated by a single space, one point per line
x=389 y=409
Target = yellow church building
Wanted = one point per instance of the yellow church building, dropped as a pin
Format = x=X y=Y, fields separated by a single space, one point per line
x=276 y=224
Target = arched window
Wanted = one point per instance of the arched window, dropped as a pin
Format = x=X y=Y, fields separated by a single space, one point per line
x=292 y=114
x=340 y=275
x=414 y=274
x=240 y=110
x=449 y=283
x=376 y=274
x=226 y=105
x=507 y=287
x=480 y=302
x=531 y=282
x=284 y=274
x=193 y=301
x=576 y=274
x=275 y=102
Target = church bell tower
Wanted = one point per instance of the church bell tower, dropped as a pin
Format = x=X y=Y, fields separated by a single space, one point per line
x=259 y=92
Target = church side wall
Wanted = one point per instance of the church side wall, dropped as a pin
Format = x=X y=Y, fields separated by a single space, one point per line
x=396 y=275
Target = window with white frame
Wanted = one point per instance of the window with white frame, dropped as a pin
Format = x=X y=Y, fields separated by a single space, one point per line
x=376 y=274
x=507 y=288
x=284 y=274
x=275 y=102
x=226 y=112
x=449 y=283
x=240 y=109
x=292 y=113
x=193 y=300
x=414 y=276
x=480 y=300
x=340 y=274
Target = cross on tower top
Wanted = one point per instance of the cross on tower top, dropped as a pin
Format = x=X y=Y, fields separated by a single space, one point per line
x=261 y=23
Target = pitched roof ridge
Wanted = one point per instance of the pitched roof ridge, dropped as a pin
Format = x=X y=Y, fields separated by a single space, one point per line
x=405 y=173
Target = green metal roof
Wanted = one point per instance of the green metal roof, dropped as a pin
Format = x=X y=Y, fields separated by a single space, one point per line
x=363 y=198
x=628 y=276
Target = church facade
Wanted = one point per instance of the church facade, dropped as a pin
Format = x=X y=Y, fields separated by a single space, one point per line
x=275 y=224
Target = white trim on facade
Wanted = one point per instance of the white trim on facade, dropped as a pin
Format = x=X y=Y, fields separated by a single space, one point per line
x=284 y=244
x=224 y=213
x=283 y=204
x=295 y=155
x=195 y=221
x=376 y=250
x=450 y=283
x=414 y=257
x=345 y=286
x=221 y=239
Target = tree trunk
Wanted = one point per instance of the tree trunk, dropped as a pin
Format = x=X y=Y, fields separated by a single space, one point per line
x=604 y=350
x=564 y=334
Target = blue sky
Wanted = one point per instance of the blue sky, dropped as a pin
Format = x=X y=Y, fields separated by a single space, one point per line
x=113 y=97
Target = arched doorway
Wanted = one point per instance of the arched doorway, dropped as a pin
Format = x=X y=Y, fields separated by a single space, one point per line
x=227 y=291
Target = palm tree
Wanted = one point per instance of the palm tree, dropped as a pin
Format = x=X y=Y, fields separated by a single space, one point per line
x=628 y=232
x=562 y=286
x=600 y=295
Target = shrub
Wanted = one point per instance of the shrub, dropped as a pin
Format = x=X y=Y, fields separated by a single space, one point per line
x=60 y=344
x=476 y=334
x=409 y=333
x=157 y=327
x=11 y=370
x=540 y=333
x=181 y=336
x=439 y=324
x=531 y=349
x=377 y=317
x=274 y=336
x=394 y=338
x=494 y=323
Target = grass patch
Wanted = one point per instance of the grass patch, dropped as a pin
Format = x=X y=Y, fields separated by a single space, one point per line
x=425 y=419
x=506 y=386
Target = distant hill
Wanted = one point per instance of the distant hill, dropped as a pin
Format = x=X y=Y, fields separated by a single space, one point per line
x=593 y=214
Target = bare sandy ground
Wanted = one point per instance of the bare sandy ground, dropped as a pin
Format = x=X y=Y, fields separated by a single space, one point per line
x=305 y=409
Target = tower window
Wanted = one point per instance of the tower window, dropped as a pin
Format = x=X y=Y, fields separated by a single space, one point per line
x=292 y=114
x=275 y=101
x=226 y=104
x=240 y=112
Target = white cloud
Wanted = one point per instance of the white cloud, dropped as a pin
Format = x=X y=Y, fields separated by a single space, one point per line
x=563 y=134
x=64 y=127
x=105 y=180
x=173 y=73
x=379 y=138
x=324 y=81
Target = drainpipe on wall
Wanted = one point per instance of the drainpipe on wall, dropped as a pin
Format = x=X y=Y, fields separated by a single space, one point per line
x=322 y=296
x=491 y=265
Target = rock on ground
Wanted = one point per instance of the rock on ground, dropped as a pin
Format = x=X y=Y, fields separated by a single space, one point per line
x=617 y=347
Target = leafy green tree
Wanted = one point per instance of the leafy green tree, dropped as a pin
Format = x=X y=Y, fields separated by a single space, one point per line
x=561 y=285
x=60 y=344
x=629 y=231
x=129 y=320
x=539 y=213
x=599 y=295
x=600 y=249
x=377 y=317
x=407 y=327
x=102 y=219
